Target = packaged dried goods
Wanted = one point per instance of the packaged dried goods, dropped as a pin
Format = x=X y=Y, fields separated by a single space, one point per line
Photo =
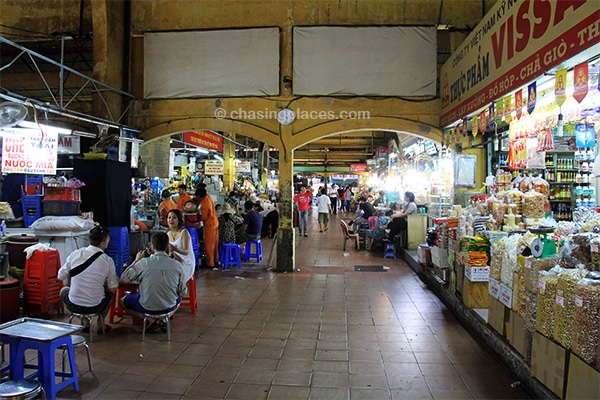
x=532 y=267
x=580 y=247
x=509 y=259
x=500 y=209
x=521 y=299
x=546 y=298
x=564 y=310
x=496 y=262
x=540 y=185
x=595 y=253
x=531 y=305
x=525 y=184
x=515 y=196
x=533 y=204
x=586 y=324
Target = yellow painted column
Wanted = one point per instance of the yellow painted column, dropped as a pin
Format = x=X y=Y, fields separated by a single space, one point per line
x=286 y=251
x=229 y=174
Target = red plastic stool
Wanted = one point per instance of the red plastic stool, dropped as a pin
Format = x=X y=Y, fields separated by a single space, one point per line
x=190 y=299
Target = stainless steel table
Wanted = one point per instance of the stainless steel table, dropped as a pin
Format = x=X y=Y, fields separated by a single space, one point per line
x=45 y=337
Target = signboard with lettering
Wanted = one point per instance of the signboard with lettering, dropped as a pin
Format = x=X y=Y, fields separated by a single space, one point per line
x=206 y=139
x=358 y=167
x=30 y=152
x=213 y=167
x=243 y=167
x=69 y=144
x=516 y=42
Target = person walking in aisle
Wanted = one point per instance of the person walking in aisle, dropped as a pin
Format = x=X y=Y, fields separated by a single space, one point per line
x=333 y=197
x=324 y=209
x=303 y=200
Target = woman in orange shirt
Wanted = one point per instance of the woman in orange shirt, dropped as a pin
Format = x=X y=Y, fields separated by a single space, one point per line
x=208 y=215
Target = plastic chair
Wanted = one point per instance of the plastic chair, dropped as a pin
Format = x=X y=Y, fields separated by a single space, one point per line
x=193 y=231
x=349 y=236
x=248 y=254
x=78 y=341
x=159 y=317
x=190 y=300
x=89 y=318
x=230 y=255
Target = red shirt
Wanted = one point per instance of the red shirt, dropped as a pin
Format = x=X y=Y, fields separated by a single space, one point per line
x=303 y=201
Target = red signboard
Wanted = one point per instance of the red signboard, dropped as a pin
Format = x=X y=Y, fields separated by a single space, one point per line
x=358 y=167
x=205 y=139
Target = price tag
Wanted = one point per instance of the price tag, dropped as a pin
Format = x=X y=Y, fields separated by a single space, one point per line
x=528 y=263
x=560 y=300
x=542 y=287
x=579 y=301
x=595 y=248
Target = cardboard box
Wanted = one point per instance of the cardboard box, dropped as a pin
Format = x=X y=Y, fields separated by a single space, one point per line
x=497 y=315
x=477 y=274
x=531 y=267
x=505 y=295
x=518 y=335
x=475 y=294
x=583 y=381
x=459 y=271
x=442 y=273
x=549 y=363
x=454 y=246
x=439 y=257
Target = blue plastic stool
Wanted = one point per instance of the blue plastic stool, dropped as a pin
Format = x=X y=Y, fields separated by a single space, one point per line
x=46 y=368
x=195 y=244
x=230 y=255
x=257 y=252
x=390 y=250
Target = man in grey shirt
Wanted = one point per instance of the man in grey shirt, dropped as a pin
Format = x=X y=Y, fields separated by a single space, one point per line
x=161 y=282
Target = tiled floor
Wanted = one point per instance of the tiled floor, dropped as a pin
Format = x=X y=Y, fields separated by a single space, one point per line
x=325 y=332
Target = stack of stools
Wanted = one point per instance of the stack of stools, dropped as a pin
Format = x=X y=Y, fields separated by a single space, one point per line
x=230 y=254
x=193 y=231
x=41 y=286
x=118 y=247
x=257 y=253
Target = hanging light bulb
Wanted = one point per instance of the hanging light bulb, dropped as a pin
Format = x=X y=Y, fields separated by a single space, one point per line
x=559 y=126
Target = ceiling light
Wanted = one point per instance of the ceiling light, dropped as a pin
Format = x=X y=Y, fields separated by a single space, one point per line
x=45 y=128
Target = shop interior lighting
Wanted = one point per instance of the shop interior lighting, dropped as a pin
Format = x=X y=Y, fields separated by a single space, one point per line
x=218 y=157
x=85 y=134
x=44 y=128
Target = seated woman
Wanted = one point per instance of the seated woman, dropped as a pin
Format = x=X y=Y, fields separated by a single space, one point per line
x=228 y=221
x=379 y=232
x=399 y=219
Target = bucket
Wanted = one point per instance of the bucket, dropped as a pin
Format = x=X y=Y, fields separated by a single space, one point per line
x=16 y=245
x=10 y=290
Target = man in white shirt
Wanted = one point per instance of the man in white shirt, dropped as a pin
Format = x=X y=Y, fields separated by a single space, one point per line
x=333 y=197
x=90 y=277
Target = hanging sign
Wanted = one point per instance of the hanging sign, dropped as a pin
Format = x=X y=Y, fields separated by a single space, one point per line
x=514 y=44
x=457 y=133
x=213 y=167
x=482 y=122
x=69 y=144
x=464 y=127
x=580 y=81
x=508 y=108
x=585 y=136
x=358 y=167
x=206 y=139
x=243 y=167
x=30 y=152
x=474 y=129
x=560 y=86
x=499 y=111
x=531 y=97
x=519 y=103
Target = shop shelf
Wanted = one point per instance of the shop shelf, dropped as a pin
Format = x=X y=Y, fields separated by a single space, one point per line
x=61 y=207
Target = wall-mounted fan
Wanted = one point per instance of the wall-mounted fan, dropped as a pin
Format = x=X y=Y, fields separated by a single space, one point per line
x=11 y=114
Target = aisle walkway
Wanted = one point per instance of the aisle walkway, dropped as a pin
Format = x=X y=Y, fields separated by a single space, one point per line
x=325 y=332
